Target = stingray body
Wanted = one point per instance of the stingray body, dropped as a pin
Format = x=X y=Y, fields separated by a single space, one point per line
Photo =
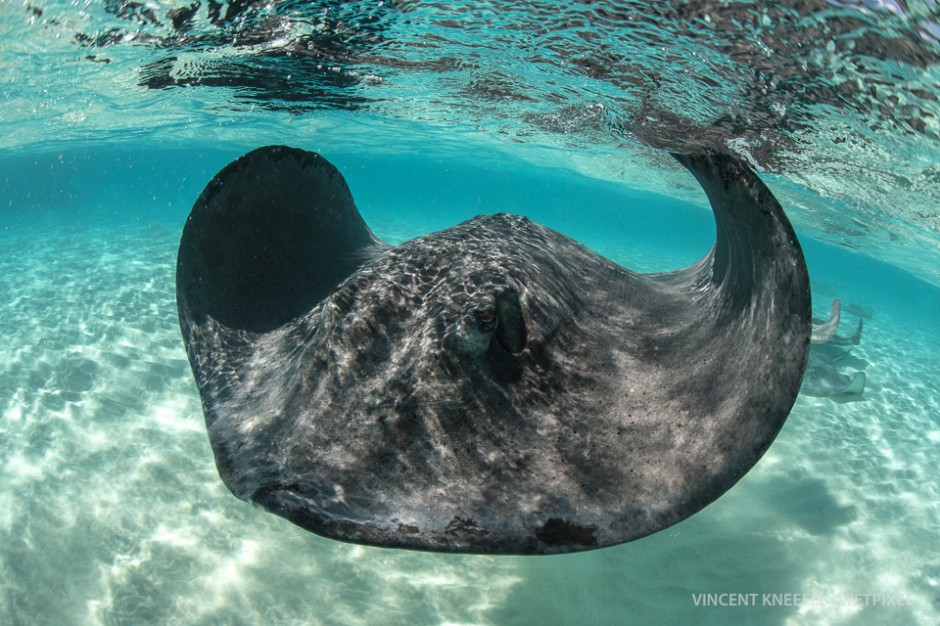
x=494 y=387
x=824 y=380
x=824 y=331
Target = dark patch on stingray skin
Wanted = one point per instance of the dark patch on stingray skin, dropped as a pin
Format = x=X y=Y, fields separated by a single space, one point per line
x=559 y=532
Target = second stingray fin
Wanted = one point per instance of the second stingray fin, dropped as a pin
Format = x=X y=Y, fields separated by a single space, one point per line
x=271 y=235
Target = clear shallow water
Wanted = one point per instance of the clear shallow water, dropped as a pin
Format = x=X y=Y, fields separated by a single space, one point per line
x=111 y=511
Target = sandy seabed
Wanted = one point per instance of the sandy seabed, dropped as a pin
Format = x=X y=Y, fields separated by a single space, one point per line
x=111 y=510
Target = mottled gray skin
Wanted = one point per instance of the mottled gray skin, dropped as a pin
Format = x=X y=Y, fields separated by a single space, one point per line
x=495 y=387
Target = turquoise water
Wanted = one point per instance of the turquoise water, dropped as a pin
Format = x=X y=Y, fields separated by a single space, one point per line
x=111 y=510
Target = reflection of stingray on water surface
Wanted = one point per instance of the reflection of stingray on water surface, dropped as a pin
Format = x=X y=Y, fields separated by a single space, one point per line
x=493 y=387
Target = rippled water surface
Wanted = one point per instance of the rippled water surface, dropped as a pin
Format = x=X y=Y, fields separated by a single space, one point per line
x=838 y=98
x=114 y=115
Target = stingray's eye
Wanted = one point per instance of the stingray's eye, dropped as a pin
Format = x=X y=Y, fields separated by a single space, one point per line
x=511 y=333
x=486 y=318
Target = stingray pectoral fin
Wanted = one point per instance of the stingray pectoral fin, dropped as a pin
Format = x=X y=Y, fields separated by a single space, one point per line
x=826 y=331
x=271 y=235
x=733 y=333
x=756 y=253
x=857 y=385
x=854 y=340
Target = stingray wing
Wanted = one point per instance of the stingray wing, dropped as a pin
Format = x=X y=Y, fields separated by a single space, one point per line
x=494 y=387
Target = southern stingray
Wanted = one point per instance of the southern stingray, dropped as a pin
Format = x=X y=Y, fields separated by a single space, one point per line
x=822 y=377
x=824 y=331
x=824 y=380
x=494 y=387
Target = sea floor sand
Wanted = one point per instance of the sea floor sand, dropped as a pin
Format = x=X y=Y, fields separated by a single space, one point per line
x=112 y=512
